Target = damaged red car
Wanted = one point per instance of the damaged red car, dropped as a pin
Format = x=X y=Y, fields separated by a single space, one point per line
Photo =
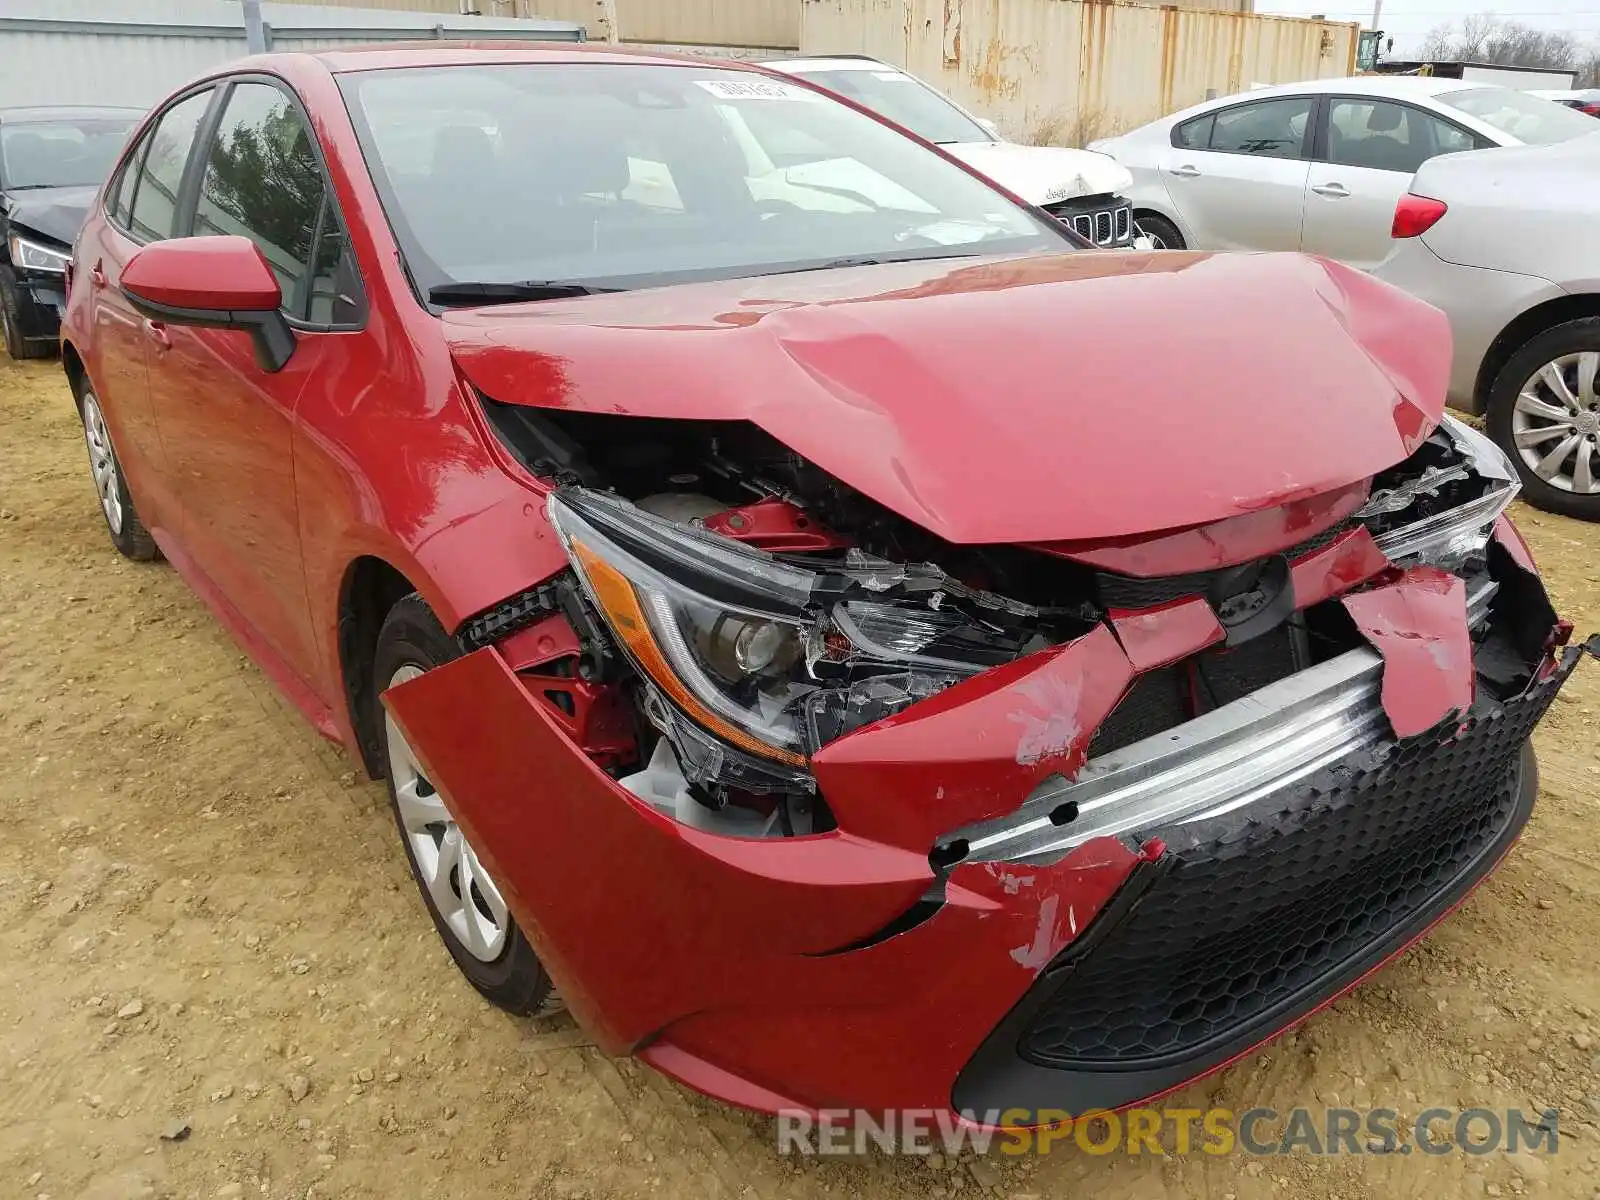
x=808 y=625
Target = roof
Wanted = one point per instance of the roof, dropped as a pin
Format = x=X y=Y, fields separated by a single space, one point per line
x=67 y=112
x=397 y=55
x=830 y=62
x=1416 y=86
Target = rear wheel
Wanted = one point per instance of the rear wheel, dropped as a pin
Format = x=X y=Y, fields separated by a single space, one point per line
x=1544 y=411
x=11 y=319
x=128 y=533
x=1159 y=230
x=467 y=906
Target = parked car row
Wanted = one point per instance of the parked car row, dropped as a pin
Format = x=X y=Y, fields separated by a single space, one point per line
x=52 y=161
x=804 y=626
x=1373 y=172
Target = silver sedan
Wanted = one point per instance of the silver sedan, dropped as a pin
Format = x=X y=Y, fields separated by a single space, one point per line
x=1504 y=242
x=1316 y=166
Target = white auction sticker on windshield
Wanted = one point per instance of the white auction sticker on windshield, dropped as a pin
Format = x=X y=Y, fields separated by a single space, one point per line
x=755 y=89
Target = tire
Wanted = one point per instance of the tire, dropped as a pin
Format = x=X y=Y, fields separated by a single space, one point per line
x=1162 y=231
x=128 y=532
x=1552 y=419
x=500 y=964
x=11 y=322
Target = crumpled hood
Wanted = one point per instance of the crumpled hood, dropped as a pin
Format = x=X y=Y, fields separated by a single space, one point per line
x=1059 y=397
x=1044 y=174
x=57 y=213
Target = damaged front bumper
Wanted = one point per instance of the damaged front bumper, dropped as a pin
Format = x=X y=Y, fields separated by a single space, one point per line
x=1065 y=945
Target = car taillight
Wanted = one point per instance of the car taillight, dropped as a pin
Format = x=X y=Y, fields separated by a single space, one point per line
x=1415 y=215
x=1592 y=109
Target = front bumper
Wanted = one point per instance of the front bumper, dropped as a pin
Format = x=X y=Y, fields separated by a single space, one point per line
x=1075 y=964
x=44 y=299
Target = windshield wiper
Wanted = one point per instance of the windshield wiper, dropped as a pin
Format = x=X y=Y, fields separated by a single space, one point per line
x=505 y=293
x=834 y=264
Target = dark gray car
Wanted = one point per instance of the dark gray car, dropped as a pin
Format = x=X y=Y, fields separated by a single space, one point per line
x=52 y=162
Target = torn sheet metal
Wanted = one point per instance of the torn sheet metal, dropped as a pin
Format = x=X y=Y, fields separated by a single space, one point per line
x=1158 y=637
x=976 y=750
x=1419 y=625
x=1349 y=559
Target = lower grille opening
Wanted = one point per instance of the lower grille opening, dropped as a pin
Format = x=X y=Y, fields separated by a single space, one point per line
x=1252 y=913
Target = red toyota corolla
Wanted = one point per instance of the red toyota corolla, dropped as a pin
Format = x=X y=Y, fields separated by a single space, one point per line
x=848 y=643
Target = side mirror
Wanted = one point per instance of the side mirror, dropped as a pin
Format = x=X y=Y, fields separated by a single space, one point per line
x=216 y=282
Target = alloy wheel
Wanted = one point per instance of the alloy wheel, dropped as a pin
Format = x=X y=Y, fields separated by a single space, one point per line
x=1555 y=423
x=102 y=463
x=466 y=897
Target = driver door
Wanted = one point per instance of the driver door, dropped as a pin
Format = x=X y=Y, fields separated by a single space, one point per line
x=227 y=424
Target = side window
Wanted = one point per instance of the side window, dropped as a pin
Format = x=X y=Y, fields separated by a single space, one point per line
x=1389 y=137
x=1195 y=134
x=154 y=203
x=120 y=202
x=262 y=180
x=1266 y=129
x=336 y=297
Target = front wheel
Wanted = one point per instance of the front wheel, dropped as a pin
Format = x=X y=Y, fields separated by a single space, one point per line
x=1544 y=411
x=1162 y=232
x=467 y=906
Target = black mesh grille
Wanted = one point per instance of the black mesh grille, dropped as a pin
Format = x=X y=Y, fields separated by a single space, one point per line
x=1133 y=592
x=1248 y=916
x=1169 y=696
x=1157 y=700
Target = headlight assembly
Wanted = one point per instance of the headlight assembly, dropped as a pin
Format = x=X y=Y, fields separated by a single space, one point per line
x=1442 y=510
x=29 y=255
x=753 y=662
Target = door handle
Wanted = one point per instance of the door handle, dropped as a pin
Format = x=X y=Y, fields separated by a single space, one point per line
x=1185 y=172
x=157 y=333
x=1332 y=190
x=97 y=275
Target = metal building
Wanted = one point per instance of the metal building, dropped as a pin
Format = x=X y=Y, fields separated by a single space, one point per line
x=135 y=51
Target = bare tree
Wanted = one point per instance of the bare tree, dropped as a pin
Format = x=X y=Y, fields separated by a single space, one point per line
x=1486 y=38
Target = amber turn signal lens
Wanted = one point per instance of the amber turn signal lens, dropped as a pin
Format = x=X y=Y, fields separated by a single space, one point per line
x=616 y=596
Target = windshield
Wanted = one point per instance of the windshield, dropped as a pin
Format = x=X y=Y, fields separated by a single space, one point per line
x=904 y=100
x=65 y=153
x=633 y=176
x=1529 y=119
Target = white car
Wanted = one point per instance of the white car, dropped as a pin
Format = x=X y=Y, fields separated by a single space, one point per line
x=1317 y=166
x=1088 y=191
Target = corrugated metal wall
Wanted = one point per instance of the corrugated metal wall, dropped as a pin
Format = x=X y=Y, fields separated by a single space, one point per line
x=774 y=24
x=133 y=52
x=1065 y=72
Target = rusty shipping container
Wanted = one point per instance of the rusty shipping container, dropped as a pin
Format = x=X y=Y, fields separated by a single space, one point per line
x=1066 y=71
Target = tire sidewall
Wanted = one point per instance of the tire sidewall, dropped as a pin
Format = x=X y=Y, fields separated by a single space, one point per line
x=1569 y=338
x=412 y=636
x=1169 y=233
x=133 y=540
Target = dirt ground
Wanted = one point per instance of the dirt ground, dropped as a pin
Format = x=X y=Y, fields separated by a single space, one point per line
x=206 y=920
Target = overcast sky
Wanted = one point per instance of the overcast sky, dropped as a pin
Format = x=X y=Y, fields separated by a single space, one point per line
x=1408 y=21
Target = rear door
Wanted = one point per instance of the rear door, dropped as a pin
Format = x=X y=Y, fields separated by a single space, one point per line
x=140 y=208
x=1238 y=174
x=1367 y=150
